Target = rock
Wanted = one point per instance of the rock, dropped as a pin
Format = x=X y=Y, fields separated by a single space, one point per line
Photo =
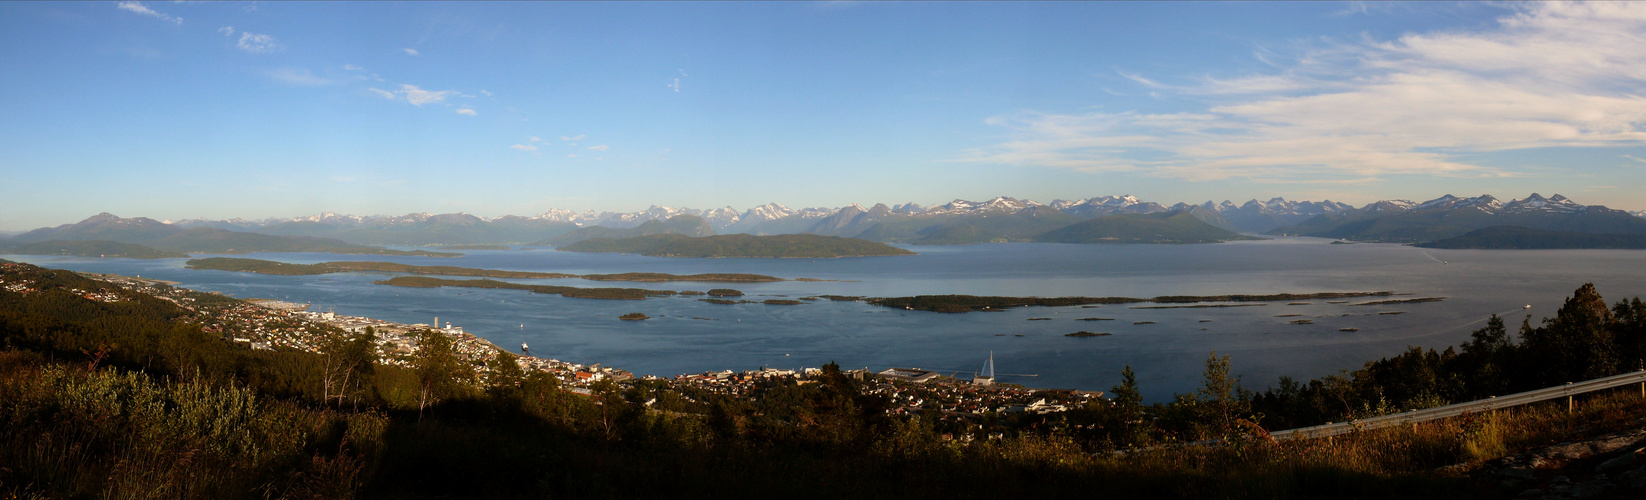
x=1514 y=473
x=1591 y=489
x=1635 y=479
x=1531 y=493
x=1602 y=445
x=1619 y=463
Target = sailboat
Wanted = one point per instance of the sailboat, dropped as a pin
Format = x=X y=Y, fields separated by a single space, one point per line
x=987 y=377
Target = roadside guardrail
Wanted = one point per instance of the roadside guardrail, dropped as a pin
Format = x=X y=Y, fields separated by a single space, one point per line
x=1477 y=406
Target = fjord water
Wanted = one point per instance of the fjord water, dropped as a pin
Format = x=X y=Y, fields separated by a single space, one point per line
x=687 y=336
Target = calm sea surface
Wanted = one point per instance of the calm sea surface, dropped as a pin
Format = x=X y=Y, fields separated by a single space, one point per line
x=687 y=335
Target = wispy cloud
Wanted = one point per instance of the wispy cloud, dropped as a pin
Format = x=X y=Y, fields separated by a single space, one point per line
x=294 y=76
x=419 y=97
x=578 y=137
x=258 y=44
x=467 y=111
x=536 y=139
x=353 y=67
x=139 y=8
x=386 y=94
x=411 y=52
x=601 y=147
x=674 y=84
x=1546 y=75
x=523 y=147
x=226 y=30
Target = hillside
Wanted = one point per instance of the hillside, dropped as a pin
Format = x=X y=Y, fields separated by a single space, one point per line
x=89 y=248
x=1179 y=227
x=281 y=268
x=419 y=229
x=807 y=246
x=688 y=225
x=212 y=240
x=1521 y=238
x=109 y=387
x=1450 y=216
x=162 y=236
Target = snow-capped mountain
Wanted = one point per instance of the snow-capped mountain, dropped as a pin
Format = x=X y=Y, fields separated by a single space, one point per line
x=1451 y=216
x=997 y=204
x=1002 y=217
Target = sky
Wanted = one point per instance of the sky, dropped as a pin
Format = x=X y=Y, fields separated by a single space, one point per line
x=177 y=110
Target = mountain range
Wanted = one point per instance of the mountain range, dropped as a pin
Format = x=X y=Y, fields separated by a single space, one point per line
x=957 y=222
x=1450 y=217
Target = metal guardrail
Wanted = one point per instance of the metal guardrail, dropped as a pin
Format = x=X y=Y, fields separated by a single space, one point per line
x=1477 y=406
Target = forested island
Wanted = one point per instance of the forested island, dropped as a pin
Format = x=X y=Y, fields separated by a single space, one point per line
x=564 y=291
x=968 y=303
x=90 y=248
x=788 y=246
x=281 y=268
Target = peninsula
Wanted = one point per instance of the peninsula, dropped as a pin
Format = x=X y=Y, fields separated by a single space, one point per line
x=790 y=246
x=968 y=303
x=563 y=291
x=90 y=248
x=282 y=268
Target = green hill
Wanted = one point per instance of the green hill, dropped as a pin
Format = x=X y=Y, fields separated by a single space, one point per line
x=271 y=267
x=438 y=229
x=1179 y=227
x=162 y=236
x=689 y=225
x=946 y=229
x=800 y=246
x=213 y=240
x=90 y=248
x=1523 y=238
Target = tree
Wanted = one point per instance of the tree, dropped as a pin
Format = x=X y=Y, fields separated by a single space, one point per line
x=1128 y=405
x=1222 y=400
x=506 y=378
x=440 y=373
x=1485 y=359
x=1576 y=344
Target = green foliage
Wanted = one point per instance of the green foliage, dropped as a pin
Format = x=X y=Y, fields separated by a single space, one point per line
x=441 y=375
x=172 y=411
x=1585 y=340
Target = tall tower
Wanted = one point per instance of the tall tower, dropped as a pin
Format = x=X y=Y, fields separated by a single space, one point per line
x=987 y=377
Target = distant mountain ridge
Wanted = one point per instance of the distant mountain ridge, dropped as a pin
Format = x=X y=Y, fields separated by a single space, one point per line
x=956 y=222
x=108 y=229
x=1451 y=216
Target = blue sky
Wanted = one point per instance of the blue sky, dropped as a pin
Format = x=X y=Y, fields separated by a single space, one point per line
x=178 y=110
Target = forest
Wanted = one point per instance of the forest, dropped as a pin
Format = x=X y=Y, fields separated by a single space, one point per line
x=129 y=396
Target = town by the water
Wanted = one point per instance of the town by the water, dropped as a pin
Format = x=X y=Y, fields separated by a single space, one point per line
x=273 y=324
